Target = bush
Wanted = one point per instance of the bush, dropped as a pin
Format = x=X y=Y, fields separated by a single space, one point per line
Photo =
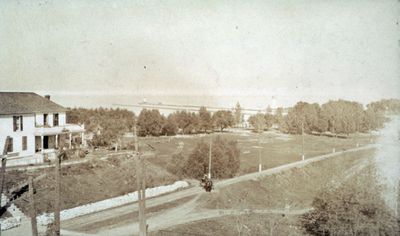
x=224 y=159
x=356 y=208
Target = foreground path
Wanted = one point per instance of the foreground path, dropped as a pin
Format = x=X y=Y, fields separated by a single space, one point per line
x=187 y=213
x=86 y=222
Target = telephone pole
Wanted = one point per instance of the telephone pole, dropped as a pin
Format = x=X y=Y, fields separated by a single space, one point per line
x=33 y=208
x=3 y=168
x=302 y=141
x=57 y=207
x=259 y=155
x=209 y=160
x=334 y=137
x=141 y=187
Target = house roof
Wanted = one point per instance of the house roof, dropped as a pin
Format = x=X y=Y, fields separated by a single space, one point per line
x=26 y=103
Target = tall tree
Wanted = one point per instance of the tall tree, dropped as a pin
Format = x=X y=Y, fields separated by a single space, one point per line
x=258 y=122
x=223 y=119
x=150 y=122
x=205 y=120
x=224 y=161
x=302 y=114
x=169 y=126
x=238 y=114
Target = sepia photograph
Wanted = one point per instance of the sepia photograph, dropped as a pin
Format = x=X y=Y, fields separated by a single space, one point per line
x=199 y=118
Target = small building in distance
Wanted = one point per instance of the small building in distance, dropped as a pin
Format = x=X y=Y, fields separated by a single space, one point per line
x=36 y=127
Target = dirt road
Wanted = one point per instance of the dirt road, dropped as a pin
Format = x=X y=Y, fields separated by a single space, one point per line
x=170 y=217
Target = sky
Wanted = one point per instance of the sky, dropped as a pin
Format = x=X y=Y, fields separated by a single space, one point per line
x=229 y=50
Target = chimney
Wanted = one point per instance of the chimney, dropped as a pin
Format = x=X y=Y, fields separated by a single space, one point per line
x=47 y=97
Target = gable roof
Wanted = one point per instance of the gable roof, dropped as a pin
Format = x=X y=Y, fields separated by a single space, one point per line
x=26 y=103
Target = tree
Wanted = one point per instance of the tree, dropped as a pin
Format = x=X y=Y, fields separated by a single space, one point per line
x=187 y=122
x=205 y=120
x=280 y=120
x=302 y=115
x=269 y=120
x=238 y=114
x=356 y=208
x=169 y=126
x=223 y=119
x=107 y=125
x=258 y=122
x=224 y=161
x=150 y=122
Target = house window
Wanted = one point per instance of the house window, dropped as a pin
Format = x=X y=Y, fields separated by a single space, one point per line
x=24 y=143
x=10 y=147
x=55 y=119
x=45 y=118
x=18 y=124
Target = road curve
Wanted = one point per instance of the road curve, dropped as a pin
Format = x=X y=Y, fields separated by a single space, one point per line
x=109 y=214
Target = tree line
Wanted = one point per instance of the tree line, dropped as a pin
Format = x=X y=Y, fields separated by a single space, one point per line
x=106 y=125
x=340 y=116
x=152 y=122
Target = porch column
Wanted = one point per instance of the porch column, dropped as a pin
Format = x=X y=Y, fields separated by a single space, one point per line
x=83 y=142
x=41 y=143
x=56 y=140
x=70 y=140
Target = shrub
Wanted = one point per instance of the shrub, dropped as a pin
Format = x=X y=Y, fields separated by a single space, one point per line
x=224 y=159
x=356 y=208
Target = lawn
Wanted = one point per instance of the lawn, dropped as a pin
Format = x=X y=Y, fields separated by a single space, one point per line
x=276 y=148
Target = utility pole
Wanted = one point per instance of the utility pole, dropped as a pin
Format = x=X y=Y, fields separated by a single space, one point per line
x=33 y=209
x=57 y=207
x=3 y=168
x=334 y=137
x=302 y=141
x=141 y=187
x=259 y=155
x=209 y=160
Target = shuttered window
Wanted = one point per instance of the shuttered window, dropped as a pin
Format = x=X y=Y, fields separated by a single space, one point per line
x=15 y=123
x=55 y=119
x=24 y=143
x=45 y=119
x=10 y=147
x=18 y=123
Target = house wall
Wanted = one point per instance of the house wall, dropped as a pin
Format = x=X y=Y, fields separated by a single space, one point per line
x=62 y=118
x=50 y=117
x=6 y=129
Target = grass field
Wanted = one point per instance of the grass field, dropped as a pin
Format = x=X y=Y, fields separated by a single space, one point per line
x=101 y=179
x=276 y=148
x=294 y=189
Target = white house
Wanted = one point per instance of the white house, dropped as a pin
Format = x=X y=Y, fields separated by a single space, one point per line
x=36 y=126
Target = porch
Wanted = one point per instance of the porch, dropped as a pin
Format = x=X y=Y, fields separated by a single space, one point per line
x=49 y=139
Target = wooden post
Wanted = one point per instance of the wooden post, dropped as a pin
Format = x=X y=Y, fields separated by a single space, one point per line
x=136 y=140
x=3 y=169
x=33 y=209
x=209 y=159
x=259 y=154
x=57 y=196
x=302 y=141
x=141 y=187
x=143 y=221
x=141 y=195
